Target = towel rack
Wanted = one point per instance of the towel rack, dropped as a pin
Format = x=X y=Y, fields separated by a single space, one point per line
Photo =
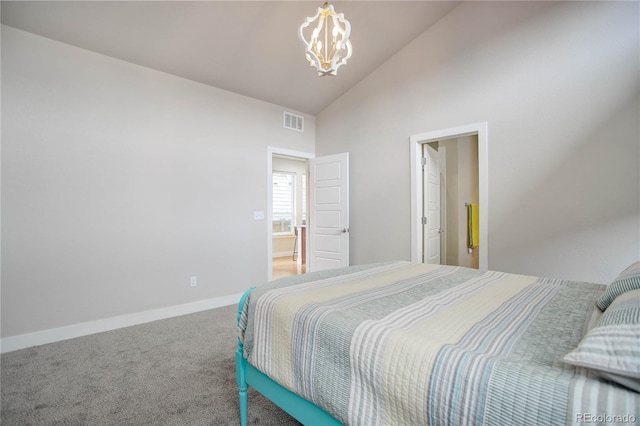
x=472 y=225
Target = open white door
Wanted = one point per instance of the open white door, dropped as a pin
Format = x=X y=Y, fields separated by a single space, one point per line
x=432 y=230
x=329 y=212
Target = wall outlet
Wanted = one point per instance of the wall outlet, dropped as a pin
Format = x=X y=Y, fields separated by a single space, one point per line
x=194 y=281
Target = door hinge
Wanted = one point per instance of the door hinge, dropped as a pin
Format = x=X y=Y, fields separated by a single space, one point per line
x=423 y=160
x=424 y=220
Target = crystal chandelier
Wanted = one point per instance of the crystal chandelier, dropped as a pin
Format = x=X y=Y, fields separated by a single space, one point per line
x=327 y=44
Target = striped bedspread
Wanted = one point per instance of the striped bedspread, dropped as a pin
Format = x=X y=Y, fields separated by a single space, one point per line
x=408 y=344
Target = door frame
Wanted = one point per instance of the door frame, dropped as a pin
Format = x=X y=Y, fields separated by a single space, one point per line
x=416 y=142
x=271 y=151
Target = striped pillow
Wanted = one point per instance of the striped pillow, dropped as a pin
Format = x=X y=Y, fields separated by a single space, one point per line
x=612 y=347
x=629 y=279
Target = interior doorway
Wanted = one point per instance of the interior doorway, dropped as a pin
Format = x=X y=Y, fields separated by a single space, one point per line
x=287 y=212
x=452 y=219
x=325 y=243
x=450 y=189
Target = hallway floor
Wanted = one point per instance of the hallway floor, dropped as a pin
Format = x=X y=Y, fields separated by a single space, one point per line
x=286 y=266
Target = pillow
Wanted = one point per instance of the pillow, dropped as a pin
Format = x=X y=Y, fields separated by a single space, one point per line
x=611 y=349
x=629 y=279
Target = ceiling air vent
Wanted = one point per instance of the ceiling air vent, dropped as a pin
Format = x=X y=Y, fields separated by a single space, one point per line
x=293 y=122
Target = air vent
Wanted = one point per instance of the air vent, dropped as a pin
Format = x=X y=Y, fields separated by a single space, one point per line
x=293 y=122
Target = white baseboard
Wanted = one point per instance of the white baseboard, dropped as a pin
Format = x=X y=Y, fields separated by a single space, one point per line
x=13 y=343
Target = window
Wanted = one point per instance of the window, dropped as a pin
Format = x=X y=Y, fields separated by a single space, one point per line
x=283 y=202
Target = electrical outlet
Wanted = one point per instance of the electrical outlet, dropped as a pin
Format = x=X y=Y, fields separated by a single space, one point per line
x=194 y=281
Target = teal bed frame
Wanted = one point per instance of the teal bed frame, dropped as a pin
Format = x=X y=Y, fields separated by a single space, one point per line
x=247 y=375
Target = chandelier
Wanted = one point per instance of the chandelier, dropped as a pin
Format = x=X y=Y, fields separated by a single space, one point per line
x=326 y=43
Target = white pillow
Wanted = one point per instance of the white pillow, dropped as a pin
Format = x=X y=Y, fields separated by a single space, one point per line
x=612 y=348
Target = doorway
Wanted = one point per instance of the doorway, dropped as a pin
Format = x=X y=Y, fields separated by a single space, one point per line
x=447 y=232
x=327 y=211
x=450 y=188
x=287 y=212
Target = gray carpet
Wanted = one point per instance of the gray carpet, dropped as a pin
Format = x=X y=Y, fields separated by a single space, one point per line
x=179 y=371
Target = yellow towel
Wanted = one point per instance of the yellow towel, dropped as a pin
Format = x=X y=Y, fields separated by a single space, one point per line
x=473 y=214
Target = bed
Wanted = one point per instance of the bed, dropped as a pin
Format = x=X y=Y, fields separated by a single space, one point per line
x=400 y=343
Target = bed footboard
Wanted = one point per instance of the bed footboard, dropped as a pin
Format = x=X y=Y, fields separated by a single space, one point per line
x=246 y=374
x=241 y=377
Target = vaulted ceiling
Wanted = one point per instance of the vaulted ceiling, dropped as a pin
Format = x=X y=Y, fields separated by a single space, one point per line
x=247 y=47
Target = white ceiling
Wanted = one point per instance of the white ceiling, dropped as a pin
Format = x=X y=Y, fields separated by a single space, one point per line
x=246 y=47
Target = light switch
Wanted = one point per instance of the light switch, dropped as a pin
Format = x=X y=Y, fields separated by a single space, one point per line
x=258 y=215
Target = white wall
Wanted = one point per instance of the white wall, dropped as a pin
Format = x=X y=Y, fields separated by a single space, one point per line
x=558 y=85
x=120 y=182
